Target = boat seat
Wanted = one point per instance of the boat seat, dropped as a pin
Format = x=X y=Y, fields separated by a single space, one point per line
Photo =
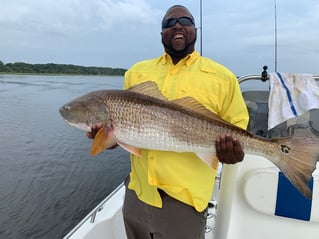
x=257 y=105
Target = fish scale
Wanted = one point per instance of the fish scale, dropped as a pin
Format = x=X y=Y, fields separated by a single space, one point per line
x=169 y=127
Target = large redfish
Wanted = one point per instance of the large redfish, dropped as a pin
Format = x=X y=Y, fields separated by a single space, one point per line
x=142 y=117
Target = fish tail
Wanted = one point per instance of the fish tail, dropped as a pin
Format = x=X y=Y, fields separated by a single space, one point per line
x=298 y=159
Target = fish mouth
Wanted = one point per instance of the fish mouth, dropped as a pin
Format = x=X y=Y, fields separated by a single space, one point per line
x=71 y=120
x=81 y=126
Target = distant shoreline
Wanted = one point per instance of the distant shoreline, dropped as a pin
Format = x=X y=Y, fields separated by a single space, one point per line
x=58 y=69
x=52 y=74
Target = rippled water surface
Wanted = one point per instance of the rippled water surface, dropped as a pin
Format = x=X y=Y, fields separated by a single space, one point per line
x=48 y=180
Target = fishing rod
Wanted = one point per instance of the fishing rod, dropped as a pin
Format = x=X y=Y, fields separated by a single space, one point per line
x=201 y=26
x=275 y=9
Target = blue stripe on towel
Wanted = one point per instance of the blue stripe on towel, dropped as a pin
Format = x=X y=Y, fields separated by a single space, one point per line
x=292 y=107
x=290 y=202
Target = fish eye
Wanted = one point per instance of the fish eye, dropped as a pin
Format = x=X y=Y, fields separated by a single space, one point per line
x=67 y=107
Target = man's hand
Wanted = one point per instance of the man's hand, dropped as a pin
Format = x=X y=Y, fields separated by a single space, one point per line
x=94 y=129
x=229 y=150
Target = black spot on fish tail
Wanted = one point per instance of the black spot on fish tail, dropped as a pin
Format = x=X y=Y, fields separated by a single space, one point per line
x=285 y=148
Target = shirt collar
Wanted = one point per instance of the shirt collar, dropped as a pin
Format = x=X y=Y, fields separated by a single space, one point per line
x=188 y=60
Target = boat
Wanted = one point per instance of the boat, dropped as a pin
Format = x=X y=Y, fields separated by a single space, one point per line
x=252 y=199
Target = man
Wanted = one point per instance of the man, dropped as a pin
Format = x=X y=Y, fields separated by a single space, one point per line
x=167 y=192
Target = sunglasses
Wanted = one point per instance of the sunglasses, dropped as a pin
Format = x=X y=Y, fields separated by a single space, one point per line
x=184 y=21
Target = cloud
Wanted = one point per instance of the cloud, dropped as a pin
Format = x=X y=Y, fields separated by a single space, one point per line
x=242 y=35
x=126 y=13
x=120 y=33
x=61 y=17
x=77 y=31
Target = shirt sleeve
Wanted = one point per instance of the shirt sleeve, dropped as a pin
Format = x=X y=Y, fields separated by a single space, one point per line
x=126 y=83
x=234 y=109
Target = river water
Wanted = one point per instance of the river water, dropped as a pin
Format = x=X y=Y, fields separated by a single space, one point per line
x=48 y=180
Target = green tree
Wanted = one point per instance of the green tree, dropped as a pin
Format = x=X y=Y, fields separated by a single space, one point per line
x=51 y=68
x=1 y=66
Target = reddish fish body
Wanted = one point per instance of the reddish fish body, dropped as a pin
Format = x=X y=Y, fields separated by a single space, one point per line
x=142 y=118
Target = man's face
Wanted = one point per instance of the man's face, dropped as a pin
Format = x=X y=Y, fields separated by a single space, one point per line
x=178 y=32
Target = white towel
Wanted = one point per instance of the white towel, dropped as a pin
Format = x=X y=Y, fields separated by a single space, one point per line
x=291 y=95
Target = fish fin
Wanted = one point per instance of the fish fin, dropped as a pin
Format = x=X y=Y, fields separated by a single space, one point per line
x=298 y=158
x=131 y=149
x=103 y=139
x=192 y=104
x=210 y=159
x=149 y=88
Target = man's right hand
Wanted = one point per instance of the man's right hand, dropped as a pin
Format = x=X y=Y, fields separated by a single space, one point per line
x=94 y=129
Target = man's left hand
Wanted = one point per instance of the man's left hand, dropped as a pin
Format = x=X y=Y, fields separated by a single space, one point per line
x=229 y=150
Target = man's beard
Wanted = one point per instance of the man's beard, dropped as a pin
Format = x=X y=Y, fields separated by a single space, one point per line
x=189 y=47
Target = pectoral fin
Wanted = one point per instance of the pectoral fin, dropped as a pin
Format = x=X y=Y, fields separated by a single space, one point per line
x=103 y=139
x=131 y=149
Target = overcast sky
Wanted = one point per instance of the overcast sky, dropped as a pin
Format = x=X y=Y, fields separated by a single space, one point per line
x=119 y=33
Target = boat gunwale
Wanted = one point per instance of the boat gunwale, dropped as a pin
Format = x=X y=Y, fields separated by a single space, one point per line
x=92 y=214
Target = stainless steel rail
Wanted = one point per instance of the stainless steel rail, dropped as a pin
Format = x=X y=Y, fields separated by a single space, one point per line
x=258 y=77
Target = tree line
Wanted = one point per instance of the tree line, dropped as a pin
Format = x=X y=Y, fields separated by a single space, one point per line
x=51 y=68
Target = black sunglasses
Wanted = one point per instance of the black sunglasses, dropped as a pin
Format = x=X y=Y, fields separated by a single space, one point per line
x=184 y=21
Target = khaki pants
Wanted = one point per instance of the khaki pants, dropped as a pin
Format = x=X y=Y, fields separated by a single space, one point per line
x=175 y=220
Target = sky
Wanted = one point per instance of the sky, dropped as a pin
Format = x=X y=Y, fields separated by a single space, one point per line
x=119 y=33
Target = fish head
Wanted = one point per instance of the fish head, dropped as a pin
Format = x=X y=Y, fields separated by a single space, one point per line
x=85 y=111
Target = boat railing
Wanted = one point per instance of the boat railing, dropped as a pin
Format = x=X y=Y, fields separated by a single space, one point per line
x=264 y=76
x=244 y=78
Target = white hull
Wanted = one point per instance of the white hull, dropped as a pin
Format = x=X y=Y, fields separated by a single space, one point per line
x=105 y=221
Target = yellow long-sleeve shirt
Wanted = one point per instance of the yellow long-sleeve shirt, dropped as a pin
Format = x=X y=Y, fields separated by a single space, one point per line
x=183 y=175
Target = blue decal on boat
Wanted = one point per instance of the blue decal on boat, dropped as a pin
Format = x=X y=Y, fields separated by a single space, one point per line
x=290 y=202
